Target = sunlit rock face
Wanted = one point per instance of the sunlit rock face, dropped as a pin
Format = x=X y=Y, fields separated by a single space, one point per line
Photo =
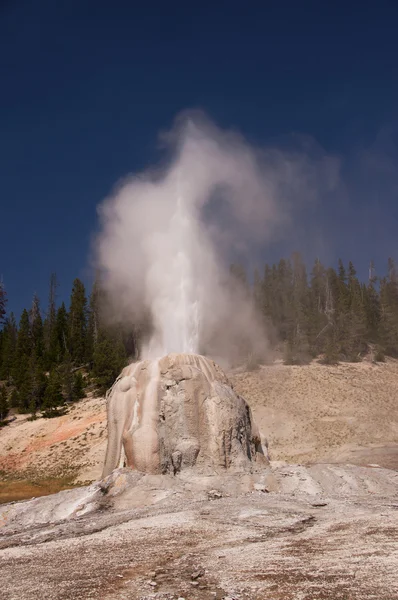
x=179 y=412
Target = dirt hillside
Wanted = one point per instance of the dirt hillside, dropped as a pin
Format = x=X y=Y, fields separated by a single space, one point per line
x=71 y=446
x=319 y=413
x=308 y=414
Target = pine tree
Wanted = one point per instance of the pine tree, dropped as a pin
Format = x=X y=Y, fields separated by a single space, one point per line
x=109 y=359
x=267 y=293
x=36 y=364
x=355 y=330
x=77 y=323
x=50 y=332
x=257 y=291
x=38 y=382
x=93 y=321
x=320 y=312
x=372 y=307
x=3 y=403
x=36 y=328
x=61 y=333
x=389 y=311
x=283 y=306
x=21 y=375
x=53 y=398
x=298 y=340
x=66 y=377
x=3 y=303
x=8 y=348
x=78 y=386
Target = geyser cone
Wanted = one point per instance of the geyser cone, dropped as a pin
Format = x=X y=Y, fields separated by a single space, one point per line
x=176 y=413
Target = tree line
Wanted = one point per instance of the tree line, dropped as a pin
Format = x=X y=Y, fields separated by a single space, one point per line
x=53 y=357
x=327 y=313
x=47 y=362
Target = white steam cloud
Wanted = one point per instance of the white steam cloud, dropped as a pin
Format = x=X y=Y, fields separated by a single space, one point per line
x=167 y=236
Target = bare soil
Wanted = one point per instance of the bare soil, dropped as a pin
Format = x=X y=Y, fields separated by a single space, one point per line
x=319 y=413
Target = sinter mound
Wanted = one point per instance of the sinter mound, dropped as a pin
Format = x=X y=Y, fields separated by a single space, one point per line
x=176 y=413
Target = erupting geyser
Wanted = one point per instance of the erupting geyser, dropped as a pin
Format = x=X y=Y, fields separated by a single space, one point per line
x=179 y=412
x=166 y=237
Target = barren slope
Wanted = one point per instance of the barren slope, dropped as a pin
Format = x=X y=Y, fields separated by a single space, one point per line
x=71 y=445
x=326 y=413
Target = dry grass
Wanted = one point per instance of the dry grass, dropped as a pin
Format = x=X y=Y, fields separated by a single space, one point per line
x=11 y=491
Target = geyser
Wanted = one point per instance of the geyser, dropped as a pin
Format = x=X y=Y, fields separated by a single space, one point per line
x=176 y=413
x=167 y=237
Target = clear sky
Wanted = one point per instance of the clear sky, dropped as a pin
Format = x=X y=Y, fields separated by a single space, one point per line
x=87 y=85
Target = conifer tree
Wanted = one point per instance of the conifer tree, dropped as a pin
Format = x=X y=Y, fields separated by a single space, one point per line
x=257 y=290
x=78 y=386
x=3 y=303
x=298 y=339
x=3 y=403
x=77 y=323
x=389 y=310
x=93 y=321
x=66 y=376
x=53 y=398
x=38 y=383
x=36 y=329
x=61 y=333
x=319 y=317
x=372 y=308
x=267 y=293
x=21 y=368
x=355 y=321
x=109 y=359
x=50 y=332
x=8 y=348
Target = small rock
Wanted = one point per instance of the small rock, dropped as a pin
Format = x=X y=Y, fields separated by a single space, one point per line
x=152 y=583
x=197 y=574
x=118 y=575
x=194 y=583
x=261 y=487
x=319 y=504
x=214 y=494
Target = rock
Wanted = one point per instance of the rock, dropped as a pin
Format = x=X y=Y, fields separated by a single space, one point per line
x=176 y=413
x=197 y=574
x=214 y=494
x=261 y=487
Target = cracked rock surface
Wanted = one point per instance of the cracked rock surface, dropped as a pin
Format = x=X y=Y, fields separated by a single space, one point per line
x=286 y=533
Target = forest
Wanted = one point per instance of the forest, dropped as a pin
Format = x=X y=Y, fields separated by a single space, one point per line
x=55 y=356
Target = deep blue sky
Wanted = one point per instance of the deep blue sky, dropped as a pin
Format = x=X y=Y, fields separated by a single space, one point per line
x=87 y=85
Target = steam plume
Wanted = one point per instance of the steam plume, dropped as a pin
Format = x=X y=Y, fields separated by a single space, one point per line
x=167 y=235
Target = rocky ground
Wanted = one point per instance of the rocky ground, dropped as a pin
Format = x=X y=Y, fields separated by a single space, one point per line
x=286 y=533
